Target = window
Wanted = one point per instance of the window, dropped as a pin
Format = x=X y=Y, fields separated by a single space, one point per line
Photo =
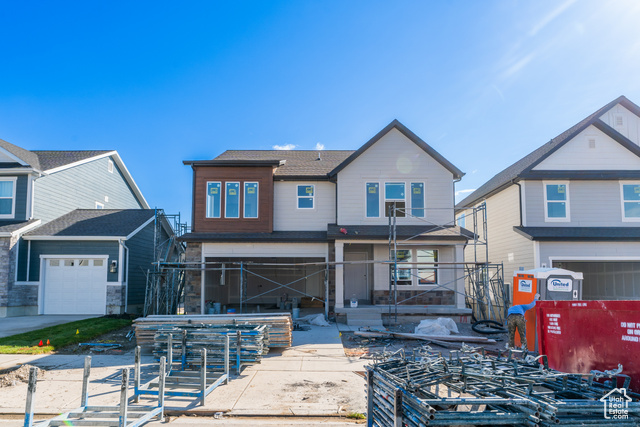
x=251 y=200
x=394 y=197
x=373 y=199
x=69 y=262
x=306 y=195
x=417 y=199
x=54 y=263
x=83 y=263
x=7 y=197
x=99 y=205
x=232 y=200
x=213 y=200
x=110 y=166
x=462 y=220
x=631 y=201
x=97 y=263
x=557 y=201
x=427 y=272
x=404 y=273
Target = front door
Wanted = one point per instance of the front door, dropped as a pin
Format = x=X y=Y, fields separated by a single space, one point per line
x=356 y=278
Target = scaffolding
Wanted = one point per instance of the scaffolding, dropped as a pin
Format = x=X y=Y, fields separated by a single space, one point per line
x=164 y=290
x=485 y=292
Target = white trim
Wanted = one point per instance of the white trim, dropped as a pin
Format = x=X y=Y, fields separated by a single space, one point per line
x=536 y=254
x=110 y=166
x=101 y=238
x=13 y=156
x=16 y=261
x=523 y=202
x=13 y=171
x=202 y=287
x=365 y=198
x=19 y=231
x=226 y=199
x=80 y=162
x=120 y=261
x=26 y=283
x=384 y=198
x=313 y=198
x=567 y=217
x=594 y=258
x=11 y=215
x=48 y=256
x=137 y=230
x=28 y=258
x=622 y=201
x=206 y=198
x=244 y=199
x=99 y=204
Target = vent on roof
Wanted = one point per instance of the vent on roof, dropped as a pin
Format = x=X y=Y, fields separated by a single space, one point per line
x=592 y=143
x=319 y=157
x=619 y=121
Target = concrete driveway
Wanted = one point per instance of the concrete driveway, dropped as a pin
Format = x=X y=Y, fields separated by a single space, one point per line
x=17 y=325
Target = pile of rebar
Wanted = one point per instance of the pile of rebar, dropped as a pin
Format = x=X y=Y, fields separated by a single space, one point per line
x=280 y=325
x=248 y=343
x=470 y=388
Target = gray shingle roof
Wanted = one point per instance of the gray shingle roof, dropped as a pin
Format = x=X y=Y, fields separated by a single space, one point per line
x=95 y=223
x=276 y=236
x=403 y=232
x=53 y=159
x=312 y=163
x=26 y=156
x=579 y=233
x=11 y=226
x=515 y=170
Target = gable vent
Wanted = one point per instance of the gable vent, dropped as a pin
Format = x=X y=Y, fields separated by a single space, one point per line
x=592 y=143
x=619 y=121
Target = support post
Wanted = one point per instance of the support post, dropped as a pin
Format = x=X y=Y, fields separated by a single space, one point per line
x=241 y=285
x=122 y=418
x=397 y=408
x=326 y=292
x=238 y=350
x=226 y=358
x=163 y=362
x=31 y=391
x=184 y=349
x=369 y=398
x=203 y=375
x=136 y=375
x=339 y=274
x=169 y=352
x=84 y=398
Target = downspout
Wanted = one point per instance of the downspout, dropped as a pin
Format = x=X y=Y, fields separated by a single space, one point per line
x=519 y=198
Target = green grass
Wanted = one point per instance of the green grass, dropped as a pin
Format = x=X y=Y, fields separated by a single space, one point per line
x=60 y=335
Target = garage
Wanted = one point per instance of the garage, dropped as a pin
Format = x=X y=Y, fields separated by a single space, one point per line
x=75 y=285
x=607 y=280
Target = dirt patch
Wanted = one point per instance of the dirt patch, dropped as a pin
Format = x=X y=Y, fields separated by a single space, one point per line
x=14 y=376
x=118 y=342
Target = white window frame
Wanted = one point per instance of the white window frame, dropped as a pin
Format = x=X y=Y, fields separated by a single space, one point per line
x=110 y=166
x=244 y=200
x=240 y=188
x=622 y=184
x=206 y=198
x=313 y=198
x=99 y=205
x=414 y=268
x=13 y=179
x=380 y=199
x=567 y=217
x=385 y=200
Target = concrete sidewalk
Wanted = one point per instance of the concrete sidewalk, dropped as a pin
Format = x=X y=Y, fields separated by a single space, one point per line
x=311 y=378
x=17 y=325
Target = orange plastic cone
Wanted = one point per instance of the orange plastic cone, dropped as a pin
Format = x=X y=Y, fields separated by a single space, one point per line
x=48 y=342
x=40 y=345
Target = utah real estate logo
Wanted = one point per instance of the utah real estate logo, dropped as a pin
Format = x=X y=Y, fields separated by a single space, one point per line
x=616 y=404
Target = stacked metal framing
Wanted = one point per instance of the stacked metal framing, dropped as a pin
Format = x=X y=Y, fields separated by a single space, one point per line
x=474 y=389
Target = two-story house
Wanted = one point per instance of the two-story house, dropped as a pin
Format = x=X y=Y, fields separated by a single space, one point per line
x=573 y=203
x=316 y=224
x=75 y=233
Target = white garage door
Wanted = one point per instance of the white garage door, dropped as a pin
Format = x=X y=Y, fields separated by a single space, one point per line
x=75 y=286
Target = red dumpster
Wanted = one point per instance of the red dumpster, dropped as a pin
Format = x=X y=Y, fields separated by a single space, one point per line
x=579 y=336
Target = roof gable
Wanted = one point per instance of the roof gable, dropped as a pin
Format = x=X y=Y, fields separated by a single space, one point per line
x=395 y=124
x=524 y=166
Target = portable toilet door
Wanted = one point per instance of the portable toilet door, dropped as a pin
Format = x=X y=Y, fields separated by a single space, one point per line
x=525 y=287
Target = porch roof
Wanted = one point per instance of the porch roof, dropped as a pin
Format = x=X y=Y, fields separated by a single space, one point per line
x=276 y=236
x=403 y=232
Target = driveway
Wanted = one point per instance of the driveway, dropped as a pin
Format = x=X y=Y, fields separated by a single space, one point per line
x=17 y=325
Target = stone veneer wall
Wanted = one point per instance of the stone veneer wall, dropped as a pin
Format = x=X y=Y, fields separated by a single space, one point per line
x=15 y=300
x=193 y=288
x=428 y=298
x=116 y=299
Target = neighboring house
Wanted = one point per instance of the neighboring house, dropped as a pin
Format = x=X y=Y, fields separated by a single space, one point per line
x=71 y=223
x=302 y=209
x=573 y=203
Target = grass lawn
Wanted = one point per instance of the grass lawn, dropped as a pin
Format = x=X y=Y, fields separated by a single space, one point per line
x=60 y=335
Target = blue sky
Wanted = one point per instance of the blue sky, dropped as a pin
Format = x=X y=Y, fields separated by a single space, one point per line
x=483 y=82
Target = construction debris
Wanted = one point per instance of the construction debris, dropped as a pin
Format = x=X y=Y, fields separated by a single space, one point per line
x=280 y=325
x=401 y=335
x=471 y=388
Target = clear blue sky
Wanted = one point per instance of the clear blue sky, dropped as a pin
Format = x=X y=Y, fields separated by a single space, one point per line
x=483 y=82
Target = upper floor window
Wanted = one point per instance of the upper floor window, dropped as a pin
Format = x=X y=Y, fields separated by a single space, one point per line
x=372 y=199
x=556 y=196
x=394 y=197
x=630 y=201
x=232 y=200
x=416 y=266
x=251 y=200
x=213 y=200
x=306 y=195
x=462 y=220
x=417 y=199
x=7 y=197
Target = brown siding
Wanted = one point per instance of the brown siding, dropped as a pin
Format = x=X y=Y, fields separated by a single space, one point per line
x=263 y=175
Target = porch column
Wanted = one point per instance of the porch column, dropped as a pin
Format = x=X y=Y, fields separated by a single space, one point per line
x=339 y=275
x=460 y=280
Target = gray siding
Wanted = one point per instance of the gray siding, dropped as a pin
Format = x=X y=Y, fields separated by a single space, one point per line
x=71 y=248
x=591 y=204
x=79 y=188
x=140 y=260
x=22 y=188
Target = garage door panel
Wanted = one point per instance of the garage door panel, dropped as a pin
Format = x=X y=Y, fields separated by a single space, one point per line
x=74 y=286
x=607 y=280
